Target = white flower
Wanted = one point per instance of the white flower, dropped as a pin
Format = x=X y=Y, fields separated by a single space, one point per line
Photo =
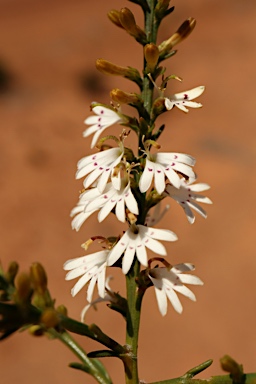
x=92 y=200
x=105 y=117
x=91 y=268
x=182 y=100
x=135 y=240
x=186 y=196
x=99 y=167
x=159 y=165
x=112 y=198
x=166 y=282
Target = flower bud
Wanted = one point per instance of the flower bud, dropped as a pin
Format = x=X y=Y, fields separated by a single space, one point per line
x=62 y=310
x=12 y=272
x=108 y=68
x=23 y=287
x=122 y=97
x=151 y=53
x=230 y=365
x=50 y=318
x=114 y=16
x=38 y=277
x=129 y=24
x=183 y=31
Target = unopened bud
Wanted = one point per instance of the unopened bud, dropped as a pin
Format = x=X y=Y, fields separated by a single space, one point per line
x=122 y=97
x=129 y=24
x=23 y=287
x=161 y=9
x=151 y=53
x=50 y=318
x=108 y=68
x=230 y=365
x=183 y=31
x=62 y=310
x=38 y=277
x=114 y=16
x=12 y=272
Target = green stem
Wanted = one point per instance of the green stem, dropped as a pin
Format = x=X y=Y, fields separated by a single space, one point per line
x=151 y=32
x=249 y=378
x=134 y=299
x=91 y=366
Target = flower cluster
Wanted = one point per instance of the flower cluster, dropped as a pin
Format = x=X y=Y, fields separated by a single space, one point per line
x=128 y=187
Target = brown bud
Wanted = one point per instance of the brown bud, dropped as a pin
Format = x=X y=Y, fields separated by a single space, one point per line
x=183 y=31
x=12 y=271
x=122 y=97
x=23 y=287
x=151 y=53
x=114 y=16
x=62 y=310
x=38 y=277
x=129 y=24
x=230 y=365
x=109 y=68
x=127 y=20
x=50 y=318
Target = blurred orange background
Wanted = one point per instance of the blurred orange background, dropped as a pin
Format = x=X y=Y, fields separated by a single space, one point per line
x=49 y=49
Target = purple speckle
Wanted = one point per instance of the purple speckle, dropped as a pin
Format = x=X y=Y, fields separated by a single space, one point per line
x=158 y=171
x=102 y=112
x=172 y=164
x=185 y=96
x=95 y=164
x=150 y=169
x=175 y=157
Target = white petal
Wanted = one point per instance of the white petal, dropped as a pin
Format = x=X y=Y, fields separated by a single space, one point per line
x=189 y=95
x=128 y=259
x=159 y=234
x=80 y=284
x=91 y=288
x=191 y=279
x=131 y=202
x=159 y=178
x=161 y=301
x=199 y=187
x=155 y=246
x=168 y=104
x=172 y=296
x=147 y=176
x=118 y=249
x=120 y=210
x=142 y=255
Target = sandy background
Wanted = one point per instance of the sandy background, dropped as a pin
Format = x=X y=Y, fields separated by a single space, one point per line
x=49 y=49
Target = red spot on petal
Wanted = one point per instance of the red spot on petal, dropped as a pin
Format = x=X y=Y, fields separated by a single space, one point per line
x=185 y=96
x=95 y=164
x=172 y=164
x=107 y=169
x=102 y=112
x=175 y=157
x=150 y=169
x=105 y=196
x=101 y=168
x=158 y=171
